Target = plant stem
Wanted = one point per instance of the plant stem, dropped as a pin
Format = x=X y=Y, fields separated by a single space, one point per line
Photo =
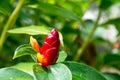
x=83 y=47
x=10 y=22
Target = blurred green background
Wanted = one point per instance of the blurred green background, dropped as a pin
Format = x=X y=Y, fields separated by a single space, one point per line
x=75 y=19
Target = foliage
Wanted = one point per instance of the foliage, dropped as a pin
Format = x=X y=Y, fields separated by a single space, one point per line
x=88 y=44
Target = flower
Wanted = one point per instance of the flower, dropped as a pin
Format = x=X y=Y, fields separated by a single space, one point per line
x=48 y=54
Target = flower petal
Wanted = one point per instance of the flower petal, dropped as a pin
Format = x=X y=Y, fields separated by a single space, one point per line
x=34 y=44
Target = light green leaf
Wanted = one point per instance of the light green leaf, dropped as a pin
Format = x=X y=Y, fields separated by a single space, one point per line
x=55 y=10
x=83 y=71
x=14 y=74
x=35 y=30
x=26 y=67
x=61 y=39
x=62 y=56
x=53 y=72
x=24 y=50
x=31 y=30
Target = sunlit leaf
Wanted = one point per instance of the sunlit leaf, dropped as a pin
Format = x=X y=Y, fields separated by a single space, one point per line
x=26 y=67
x=14 y=74
x=61 y=39
x=62 y=56
x=53 y=72
x=35 y=30
x=31 y=30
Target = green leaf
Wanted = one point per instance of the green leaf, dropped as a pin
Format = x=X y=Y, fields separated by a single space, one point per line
x=35 y=30
x=61 y=39
x=83 y=71
x=62 y=56
x=114 y=21
x=112 y=60
x=112 y=76
x=25 y=66
x=5 y=7
x=53 y=72
x=31 y=30
x=54 y=10
x=24 y=50
x=106 y=4
x=14 y=74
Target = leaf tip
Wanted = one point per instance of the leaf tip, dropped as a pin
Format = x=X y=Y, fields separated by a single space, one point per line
x=13 y=57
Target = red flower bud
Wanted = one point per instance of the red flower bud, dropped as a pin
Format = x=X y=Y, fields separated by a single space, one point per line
x=48 y=54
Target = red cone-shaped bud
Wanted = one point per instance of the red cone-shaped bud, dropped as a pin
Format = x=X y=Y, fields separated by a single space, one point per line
x=49 y=52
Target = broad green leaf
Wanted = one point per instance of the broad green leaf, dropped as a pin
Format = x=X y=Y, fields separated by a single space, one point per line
x=14 y=74
x=54 y=10
x=62 y=56
x=35 y=30
x=25 y=66
x=112 y=76
x=53 y=72
x=24 y=50
x=83 y=71
x=31 y=30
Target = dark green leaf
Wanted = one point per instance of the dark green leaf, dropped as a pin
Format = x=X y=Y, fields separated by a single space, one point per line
x=14 y=74
x=106 y=4
x=5 y=7
x=24 y=50
x=112 y=76
x=113 y=21
x=55 y=10
x=112 y=60
x=62 y=56
x=53 y=72
x=31 y=30
x=83 y=71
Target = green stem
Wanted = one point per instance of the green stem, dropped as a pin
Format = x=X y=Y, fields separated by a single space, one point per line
x=10 y=22
x=83 y=47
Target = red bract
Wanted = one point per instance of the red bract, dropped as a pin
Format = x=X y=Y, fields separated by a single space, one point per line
x=48 y=54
